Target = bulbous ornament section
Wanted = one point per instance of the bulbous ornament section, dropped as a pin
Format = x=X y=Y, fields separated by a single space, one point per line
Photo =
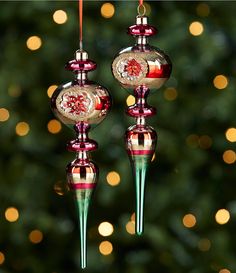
x=141 y=64
x=81 y=100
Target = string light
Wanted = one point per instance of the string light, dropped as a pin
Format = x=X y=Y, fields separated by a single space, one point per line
x=196 y=28
x=51 y=90
x=130 y=100
x=130 y=227
x=220 y=82
x=2 y=258
x=230 y=134
x=224 y=270
x=4 y=114
x=204 y=244
x=105 y=229
x=205 y=142
x=107 y=10
x=11 y=214
x=35 y=236
x=153 y=157
x=34 y=43
x=22 y=128
x=60 y=17
x=170 y=94
x=189 y=220
x=54 y=126
x=203 y=10
x=222 y=216
x=229 y=157
x=113 y=178
x=106 y=248
x=14 y=90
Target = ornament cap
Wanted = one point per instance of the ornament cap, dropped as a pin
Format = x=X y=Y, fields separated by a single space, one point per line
x=141 y=20
x=81 y=55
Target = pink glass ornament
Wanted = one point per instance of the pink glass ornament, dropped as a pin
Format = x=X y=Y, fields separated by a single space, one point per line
x=140 y=69
x=81 y=104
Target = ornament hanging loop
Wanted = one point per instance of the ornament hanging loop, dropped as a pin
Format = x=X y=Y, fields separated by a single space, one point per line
x=141 y=9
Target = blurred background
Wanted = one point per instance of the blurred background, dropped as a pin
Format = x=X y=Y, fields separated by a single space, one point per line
x=191 y=193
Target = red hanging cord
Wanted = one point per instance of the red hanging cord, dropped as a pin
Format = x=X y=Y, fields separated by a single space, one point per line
x=140 y=2
x=81 y=24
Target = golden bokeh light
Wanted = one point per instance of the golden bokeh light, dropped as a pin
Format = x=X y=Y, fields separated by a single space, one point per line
x=54 y=126
x=192 y=141
x=51 y=90
x=148 y=9
x=224 y=270
x=34 y=43
x=11 y=214
x=4 y=114
x=105 y=229
x=189 y=220
x=153 y=157
x=113 y=178
x=60 y=17
x=222 y=216
x=130 y=227
x=204 y=244
x=205 y=142
x=14 y=90
x=2 y=258
x=229 y=156
x=35 y=236
x=59 y=188
x=106 y=248
x=230 y=134
x=170 y=94
x=220 y=82
x=196 y=28
x=130 y=100
x=203 y=10
x=22 y=128
x=107 y=10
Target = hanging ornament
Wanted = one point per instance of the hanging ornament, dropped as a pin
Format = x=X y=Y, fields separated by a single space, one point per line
x=139 y=69
x=81 y=104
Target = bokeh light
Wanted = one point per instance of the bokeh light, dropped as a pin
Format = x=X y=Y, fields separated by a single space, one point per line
x=170 y=94
x=204 y=244
x=14 y=90
x=224 y=270
x=189 y=220
x=35 y=236
x=205 y=142
x=34 y=42
x=220 y=82
x=113 y=178
x=192 y=141
x=130 y=100
x=107 y=10
x=203 y=10
x=59 y=17
x=22 y=128
x=105 y=229
x=196 y=28
x=153 y=157
x=230 y=134
x=2 y=258
x=105 y=248
x=4 y=114
x=11 y=214
x=222 y=216
x=54 y=126
x=59 y=188
x=229 y=156
x=130 y=227
x=132 y=218
x=51 y=90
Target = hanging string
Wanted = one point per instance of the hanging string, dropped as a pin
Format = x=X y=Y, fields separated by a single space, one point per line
x=141 y=8
x=80 y=24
